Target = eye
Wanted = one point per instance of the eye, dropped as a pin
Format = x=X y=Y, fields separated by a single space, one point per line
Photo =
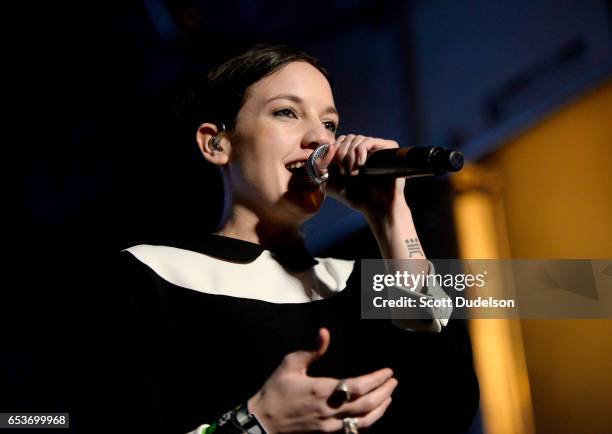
x=285 y=113
x=331 y=126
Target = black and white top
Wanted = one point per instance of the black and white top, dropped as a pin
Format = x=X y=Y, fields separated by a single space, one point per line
x=196 y=330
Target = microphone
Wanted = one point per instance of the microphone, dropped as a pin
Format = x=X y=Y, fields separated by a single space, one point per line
x=412 y=162
x=409 y=162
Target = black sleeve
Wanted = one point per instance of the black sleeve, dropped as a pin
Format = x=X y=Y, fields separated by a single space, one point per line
x=122 y=382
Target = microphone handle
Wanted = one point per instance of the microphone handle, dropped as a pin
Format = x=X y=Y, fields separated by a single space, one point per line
x=413 y=162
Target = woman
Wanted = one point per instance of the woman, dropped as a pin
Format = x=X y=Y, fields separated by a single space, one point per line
x=247 y=316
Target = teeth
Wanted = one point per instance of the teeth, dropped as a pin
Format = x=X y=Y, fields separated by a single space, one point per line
x=296 y=165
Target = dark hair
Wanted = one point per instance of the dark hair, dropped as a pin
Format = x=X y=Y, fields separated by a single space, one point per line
x=219 y=97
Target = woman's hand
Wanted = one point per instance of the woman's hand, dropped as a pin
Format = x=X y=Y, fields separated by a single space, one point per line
x=292 y=402
x=372 y=196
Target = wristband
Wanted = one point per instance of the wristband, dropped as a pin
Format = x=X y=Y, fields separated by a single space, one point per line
x=248 y=421
x=238 y=421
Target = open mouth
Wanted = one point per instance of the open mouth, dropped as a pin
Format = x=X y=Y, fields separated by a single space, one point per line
x=298 y=168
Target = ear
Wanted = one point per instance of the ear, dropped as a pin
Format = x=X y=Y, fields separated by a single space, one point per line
x=205 y=133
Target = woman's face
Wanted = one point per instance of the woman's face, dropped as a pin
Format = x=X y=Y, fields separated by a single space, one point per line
x=286 y=116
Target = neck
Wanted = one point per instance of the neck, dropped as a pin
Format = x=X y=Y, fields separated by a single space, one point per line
x=245 y=224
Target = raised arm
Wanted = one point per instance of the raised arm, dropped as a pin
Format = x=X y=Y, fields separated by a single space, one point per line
x=384 y=206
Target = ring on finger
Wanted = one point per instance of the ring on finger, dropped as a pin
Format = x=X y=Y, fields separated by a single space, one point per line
x=342 y=391
x=350 y=425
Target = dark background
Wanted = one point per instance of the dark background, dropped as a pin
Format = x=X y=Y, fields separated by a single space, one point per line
x=94 y=160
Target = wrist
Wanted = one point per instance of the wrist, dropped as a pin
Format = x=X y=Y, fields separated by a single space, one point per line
x=396 y=235
x=255 y=407
x=387 y=220
x=240 y=420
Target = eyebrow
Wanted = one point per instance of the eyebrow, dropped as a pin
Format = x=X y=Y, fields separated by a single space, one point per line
x=296 y=99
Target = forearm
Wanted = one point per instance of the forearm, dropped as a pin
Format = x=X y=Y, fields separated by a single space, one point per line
x=398 y=241
x=397 y=237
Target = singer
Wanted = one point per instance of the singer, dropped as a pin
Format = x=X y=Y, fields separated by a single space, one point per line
x=242 y=330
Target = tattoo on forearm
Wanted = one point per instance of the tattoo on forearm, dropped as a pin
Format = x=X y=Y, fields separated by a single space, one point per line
x=414 y=247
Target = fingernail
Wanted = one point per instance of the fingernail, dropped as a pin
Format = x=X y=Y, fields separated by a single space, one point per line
x=354 y=172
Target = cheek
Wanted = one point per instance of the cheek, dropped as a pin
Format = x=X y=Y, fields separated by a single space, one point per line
x=259 y=157
x=258 y=171
x=265 y=155
x=261 y=173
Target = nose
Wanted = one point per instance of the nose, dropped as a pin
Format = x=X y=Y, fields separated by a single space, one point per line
x=316 y=136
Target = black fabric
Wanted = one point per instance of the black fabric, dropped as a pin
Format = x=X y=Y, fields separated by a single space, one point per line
x=231 y=249
x=294 y=257
x=167 y=359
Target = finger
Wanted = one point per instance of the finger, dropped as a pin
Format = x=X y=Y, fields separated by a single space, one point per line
x=300 y=360
x=369 y=146
x=359 y=386
x=374 y=144
x=369 y=401
x=362 y=155
x=323 y=341
x=343 y=145
x=351 y=141
x=370 y=418
x=330 y=425
x=386 y=144
x=351 y=156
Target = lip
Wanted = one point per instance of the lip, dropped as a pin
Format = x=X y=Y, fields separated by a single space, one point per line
x=297 y=159
x=294 y=162
x=301 y=171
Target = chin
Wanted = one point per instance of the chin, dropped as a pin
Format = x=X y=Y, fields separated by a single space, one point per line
x=303 y=197
x=304 y=203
